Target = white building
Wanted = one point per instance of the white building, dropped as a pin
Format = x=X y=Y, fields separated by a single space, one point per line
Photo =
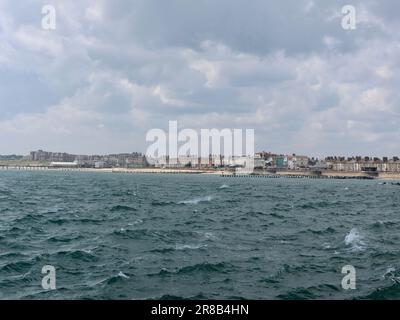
x=64 y=164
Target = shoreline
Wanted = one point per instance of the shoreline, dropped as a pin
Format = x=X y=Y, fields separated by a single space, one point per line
x=328 y=174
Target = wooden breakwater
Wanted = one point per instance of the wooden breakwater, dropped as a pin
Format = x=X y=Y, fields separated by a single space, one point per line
x=295 y=176
x=225 y=174
x=159 y=171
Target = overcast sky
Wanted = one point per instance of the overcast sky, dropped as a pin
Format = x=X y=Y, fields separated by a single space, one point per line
x=114 y=69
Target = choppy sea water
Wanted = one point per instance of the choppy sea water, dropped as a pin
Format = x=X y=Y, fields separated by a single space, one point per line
x=121 y=236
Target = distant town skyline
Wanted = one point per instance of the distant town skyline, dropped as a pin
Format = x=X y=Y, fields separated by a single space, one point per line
x=264 y=161
x=111 y=71
x=347 y=156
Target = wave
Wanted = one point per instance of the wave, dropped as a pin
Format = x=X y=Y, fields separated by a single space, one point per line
x=58 y=221
x=210 y=236
x=276 y=215
x=224 y=186
x=120 y=277
x=197 y=200
x=380 y=224
x=179 y=247
x=326 y=245
x=65 y=238
x=162 y=250
x=391 y=275
x=88 y=220
x=134 y=234
x=12 y=255
x=190 y=246
x=312 y=292
x=81 y=255
x=297 y=294
x=390 y=292
x=328 y=230
x=122 y=208
x=168 y=297
x=199 y=296
x=205 y=267
x=29 y=218
x=321 y=204
x=17 y=280
x=137 y=221
x=161 y=203
x=221 y=267
x=354 y=239
x=18 y=266
x=123 y=275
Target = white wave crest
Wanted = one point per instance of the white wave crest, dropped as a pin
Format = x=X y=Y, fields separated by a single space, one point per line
x=123 y=275
x=190 y=246
x=355 y=240
x=197 y=200
x=390 y=274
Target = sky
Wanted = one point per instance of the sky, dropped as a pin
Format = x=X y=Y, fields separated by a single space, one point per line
x=113 y=70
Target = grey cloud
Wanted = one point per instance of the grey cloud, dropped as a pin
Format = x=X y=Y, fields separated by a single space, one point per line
x=115 y=69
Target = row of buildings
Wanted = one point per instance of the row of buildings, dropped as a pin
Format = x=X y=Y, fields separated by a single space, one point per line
x=137 y=160
x=363 y=164
x=45 y=156
x=212 y=161
x=261 y=160
x=334 y=163
x=123 y=160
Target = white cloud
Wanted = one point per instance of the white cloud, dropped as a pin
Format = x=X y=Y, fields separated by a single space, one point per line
x=109 y=73
x=209 y=69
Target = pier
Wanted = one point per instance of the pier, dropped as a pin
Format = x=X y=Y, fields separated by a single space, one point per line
x=25 y=168
x=39 y=168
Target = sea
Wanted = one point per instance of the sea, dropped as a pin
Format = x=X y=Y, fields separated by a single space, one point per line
x=195 y=236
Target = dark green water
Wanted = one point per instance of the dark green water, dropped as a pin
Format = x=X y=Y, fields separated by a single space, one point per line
x=120 y=236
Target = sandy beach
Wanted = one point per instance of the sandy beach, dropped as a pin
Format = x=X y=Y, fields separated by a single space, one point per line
x=288 y=173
